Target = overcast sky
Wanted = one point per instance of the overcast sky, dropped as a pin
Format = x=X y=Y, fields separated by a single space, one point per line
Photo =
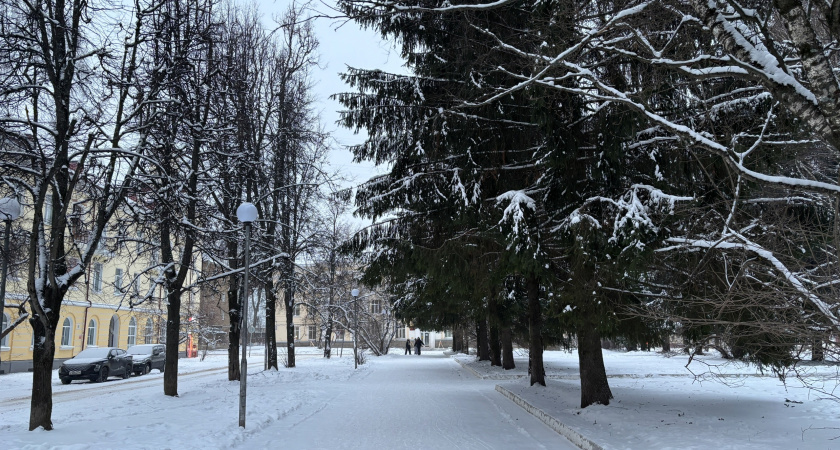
x=342 y=44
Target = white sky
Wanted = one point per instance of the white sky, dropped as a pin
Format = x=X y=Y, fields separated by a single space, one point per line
x=342 y=44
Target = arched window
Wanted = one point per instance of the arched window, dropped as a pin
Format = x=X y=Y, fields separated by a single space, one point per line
x=4 y=322
x=114 y=332
x=149 y=333
x=66 y=332
x=91 y=341
x=132 y=332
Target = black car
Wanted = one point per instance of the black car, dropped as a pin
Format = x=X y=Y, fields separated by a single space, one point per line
x=96 y=364
x=148 y=357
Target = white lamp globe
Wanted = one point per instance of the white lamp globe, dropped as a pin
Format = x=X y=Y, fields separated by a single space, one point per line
x=9 y=208
x=246 y=212
x=354 y=292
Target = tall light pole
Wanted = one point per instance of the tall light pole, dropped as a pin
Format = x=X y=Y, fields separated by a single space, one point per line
x=355 y=294
x=246 y=213
x=9 y=211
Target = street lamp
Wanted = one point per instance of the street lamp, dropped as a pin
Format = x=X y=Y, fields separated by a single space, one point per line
x=9 y=211
x=355 y=294
x=246 y=213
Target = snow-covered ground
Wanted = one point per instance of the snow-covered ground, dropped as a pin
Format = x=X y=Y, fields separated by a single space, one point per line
x=432 y=402
x=396 y=401
x=661 y=404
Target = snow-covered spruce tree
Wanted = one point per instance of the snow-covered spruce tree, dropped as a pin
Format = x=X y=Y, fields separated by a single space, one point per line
x=71 y=138
x=452 y=167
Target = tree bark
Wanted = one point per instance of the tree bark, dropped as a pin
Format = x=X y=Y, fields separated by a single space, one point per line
x=594 y=387
x=535 y=344
x=270 y=323
x=173 y=328
x=817 y=350
x=233 y=335
x=495 y=346
x=483 y=347
x=41 y=404
x=666 y=343
x=507 y=348
x=289 y=300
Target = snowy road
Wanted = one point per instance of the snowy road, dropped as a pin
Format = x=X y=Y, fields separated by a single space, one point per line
x=392 y=402
x=425 y=402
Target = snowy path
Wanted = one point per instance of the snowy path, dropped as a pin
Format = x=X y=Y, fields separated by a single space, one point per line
x=392 y=402
x=410 y=402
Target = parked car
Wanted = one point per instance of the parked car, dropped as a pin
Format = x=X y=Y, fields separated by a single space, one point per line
x=96 y=364
x=147 y=357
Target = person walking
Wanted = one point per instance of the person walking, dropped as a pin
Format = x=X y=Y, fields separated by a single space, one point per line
x=407 y=346
x=417 y=344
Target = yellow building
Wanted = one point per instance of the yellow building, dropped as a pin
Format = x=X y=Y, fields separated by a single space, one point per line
x=95 y=312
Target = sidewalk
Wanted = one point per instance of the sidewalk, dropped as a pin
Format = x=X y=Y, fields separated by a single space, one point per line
x=658 y=406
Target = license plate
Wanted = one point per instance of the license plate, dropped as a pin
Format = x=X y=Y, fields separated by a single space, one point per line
x=75 y=372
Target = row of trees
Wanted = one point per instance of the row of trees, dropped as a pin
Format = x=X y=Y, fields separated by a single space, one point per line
x=158 y=118
x=618 y=169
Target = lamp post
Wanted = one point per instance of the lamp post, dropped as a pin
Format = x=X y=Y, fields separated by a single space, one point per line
x=9 y=211
x=246 y=213
x=355 y=294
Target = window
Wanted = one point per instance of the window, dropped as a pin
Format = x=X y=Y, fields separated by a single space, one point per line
x=150 y=332
x=4 y=322
x=118 y=281
x=311 y=333
x=132 y=332
x=400 y=331
x=114 y=332
x=97 y=277
x=375 y=306
x=66 y=332
x=297 y=332
x=447 y=333
x=139 y=242
x=91 y=338
x=297 y=310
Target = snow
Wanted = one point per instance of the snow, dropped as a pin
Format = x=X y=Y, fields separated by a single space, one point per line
x=394 y=401
x=431 y=401
x=660 y=404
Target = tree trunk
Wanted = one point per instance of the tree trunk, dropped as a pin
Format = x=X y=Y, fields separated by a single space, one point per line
x=535 y=344
x=456 y=340
x=328 y=338
x=594 y=387
x=495 y=347
x=493 y=321
x=233 y=334
x=507 y=348
x=483 y=347
x=666 y=343
x=173 y=332
x=270 y=324
x=289 y=301
x=41 y=404
x=817 y=350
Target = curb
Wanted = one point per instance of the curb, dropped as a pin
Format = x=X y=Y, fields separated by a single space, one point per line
x=564 y=430
x=469 y=369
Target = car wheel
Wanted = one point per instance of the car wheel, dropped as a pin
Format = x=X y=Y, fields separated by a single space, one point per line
x=147 y=368
x=127 y=373
x=65 y=381
x=103 y=375
x=162 y=367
